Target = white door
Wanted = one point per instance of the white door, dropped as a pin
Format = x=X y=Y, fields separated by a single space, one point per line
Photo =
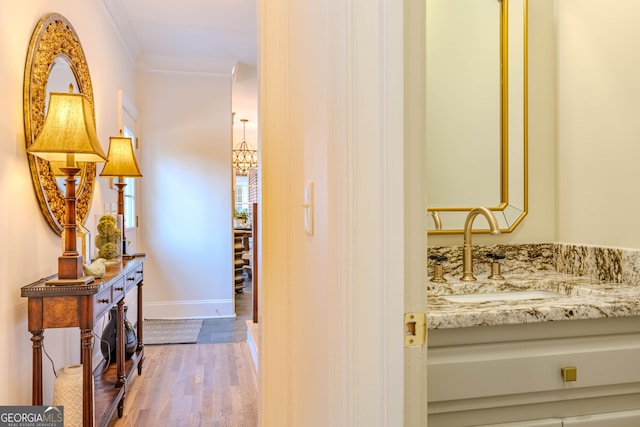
x=332 y=108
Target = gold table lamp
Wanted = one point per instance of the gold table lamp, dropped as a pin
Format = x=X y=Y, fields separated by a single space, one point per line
x=122 y=163
x=69 y=135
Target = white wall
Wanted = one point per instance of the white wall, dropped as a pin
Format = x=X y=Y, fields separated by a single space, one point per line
x=186 y=210
x=30 y=248
x=598 y=122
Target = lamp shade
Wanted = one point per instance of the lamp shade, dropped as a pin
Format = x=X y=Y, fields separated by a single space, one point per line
x=69 y=128
x=122 y=160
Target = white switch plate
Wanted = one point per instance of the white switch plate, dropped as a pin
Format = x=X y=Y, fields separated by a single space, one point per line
x=308 y=208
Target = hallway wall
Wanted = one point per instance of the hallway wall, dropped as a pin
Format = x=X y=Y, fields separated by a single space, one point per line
x=30 y=248
x=186 y=204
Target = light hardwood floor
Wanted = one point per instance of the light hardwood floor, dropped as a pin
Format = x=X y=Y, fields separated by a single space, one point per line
x=193 y=385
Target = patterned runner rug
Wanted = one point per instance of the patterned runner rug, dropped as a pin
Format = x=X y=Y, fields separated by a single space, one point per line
x=171 y=331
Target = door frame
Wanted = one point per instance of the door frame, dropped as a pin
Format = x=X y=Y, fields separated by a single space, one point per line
x=374 y=203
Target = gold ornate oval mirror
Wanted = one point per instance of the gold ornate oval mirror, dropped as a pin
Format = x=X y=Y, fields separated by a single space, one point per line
x=55 y=61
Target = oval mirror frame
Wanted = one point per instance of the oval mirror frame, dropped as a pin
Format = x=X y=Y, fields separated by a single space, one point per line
x=54 y=37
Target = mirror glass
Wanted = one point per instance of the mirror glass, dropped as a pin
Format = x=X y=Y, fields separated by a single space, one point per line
x=55 y=60
x=476 y=111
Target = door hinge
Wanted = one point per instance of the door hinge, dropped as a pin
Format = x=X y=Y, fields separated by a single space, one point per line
x=415 y=329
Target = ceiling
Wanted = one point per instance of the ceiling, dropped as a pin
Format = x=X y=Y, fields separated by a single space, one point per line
x=212 y=34
x=196 y=36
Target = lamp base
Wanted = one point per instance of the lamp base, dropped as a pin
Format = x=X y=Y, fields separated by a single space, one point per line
x=70 y=267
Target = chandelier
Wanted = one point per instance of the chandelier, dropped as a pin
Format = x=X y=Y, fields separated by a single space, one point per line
x=242 y=157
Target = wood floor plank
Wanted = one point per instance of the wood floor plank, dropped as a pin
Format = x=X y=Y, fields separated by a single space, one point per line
x=193 y=385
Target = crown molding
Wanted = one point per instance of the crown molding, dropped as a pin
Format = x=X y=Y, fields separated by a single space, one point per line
x=186 y=64
x=117 y=17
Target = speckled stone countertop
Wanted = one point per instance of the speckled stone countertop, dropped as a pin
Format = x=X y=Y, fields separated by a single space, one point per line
x=579 y=296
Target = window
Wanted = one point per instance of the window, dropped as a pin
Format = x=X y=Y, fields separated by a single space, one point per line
x=242 y=193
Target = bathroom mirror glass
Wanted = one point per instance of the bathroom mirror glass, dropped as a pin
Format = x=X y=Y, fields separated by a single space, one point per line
x=476 y=63
x=55 y=60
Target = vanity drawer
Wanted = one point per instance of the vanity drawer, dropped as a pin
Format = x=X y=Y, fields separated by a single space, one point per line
x=498 y=369
x=103 y=300
x=134 y=277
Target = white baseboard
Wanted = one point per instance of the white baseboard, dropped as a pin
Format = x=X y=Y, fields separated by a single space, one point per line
x=189 y=309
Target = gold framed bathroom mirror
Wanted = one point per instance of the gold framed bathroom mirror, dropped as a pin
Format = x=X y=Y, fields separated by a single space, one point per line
x=476 y=112
x=55 y=61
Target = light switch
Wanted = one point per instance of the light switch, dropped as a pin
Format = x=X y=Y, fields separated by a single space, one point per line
x=307 y=205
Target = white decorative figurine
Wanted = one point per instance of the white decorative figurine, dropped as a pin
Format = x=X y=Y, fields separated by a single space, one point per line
x=96 y=268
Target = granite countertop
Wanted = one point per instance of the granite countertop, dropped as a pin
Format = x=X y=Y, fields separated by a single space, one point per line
x=581 y=298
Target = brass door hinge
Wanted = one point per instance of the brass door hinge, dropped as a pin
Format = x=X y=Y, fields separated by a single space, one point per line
x=415 y=329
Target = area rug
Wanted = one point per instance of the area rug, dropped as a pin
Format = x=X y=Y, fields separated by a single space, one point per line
x=171 y=331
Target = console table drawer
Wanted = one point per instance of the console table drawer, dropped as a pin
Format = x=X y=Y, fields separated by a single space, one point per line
x=103 y=301
x=133 y=278
x=118 y=290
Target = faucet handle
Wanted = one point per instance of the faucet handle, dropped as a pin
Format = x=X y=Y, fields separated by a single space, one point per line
x=495 y=255
x=438 y=269
x=495 y=265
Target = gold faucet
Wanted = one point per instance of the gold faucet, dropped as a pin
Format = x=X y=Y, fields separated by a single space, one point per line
x=467 y=257
x=436 y=219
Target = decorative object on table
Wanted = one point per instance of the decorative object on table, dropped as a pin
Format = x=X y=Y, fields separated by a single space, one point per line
x=67 y=392
x=240 y=218
x=110 y=334
x=96 y=269
x=69 y=134
x=122 y=164
x=243 y=158
x=108 y=239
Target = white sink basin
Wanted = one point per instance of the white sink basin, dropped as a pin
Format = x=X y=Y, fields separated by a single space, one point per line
x=502 y=296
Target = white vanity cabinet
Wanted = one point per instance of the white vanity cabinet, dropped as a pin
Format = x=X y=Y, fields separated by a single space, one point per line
x=613 y=419
x=551 y=422
x=506 y=375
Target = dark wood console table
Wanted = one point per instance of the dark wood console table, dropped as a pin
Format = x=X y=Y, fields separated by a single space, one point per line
x=81 y=306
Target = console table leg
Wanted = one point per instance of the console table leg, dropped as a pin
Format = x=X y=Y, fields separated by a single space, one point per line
x=140 y=320
x=121 y=407
x=86 y=338
x=140 y=348
x=36 y=380
x=120 y=375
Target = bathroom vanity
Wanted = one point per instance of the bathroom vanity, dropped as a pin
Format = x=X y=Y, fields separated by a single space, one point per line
x=541 y=347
